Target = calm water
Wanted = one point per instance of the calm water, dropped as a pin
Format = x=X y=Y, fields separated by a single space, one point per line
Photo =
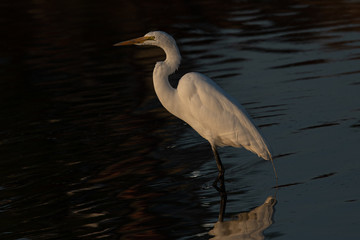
x=88 y=152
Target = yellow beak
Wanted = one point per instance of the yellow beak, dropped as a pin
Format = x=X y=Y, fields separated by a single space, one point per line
x=135 y=41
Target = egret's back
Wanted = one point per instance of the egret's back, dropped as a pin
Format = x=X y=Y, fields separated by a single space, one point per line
x=216 y=116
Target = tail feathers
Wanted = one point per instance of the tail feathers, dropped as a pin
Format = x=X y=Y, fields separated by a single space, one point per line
x=266 y=154
x=272 y=162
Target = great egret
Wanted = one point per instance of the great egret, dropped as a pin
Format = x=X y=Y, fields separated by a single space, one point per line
x=202 y=104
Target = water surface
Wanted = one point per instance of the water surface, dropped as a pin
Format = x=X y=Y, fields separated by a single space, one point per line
x=87 y=151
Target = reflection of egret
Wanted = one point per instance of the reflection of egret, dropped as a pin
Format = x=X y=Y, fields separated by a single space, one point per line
x=247 y=225
x=201 y=103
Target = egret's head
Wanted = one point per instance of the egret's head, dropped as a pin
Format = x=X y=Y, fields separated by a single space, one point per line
x=156 y=38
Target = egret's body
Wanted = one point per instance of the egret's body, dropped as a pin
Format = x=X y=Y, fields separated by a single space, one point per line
x=202 y=104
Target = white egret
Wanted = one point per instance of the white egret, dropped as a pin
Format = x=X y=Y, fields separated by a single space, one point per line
x=202 y=104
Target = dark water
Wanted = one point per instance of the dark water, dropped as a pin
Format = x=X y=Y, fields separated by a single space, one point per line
x=88 y=152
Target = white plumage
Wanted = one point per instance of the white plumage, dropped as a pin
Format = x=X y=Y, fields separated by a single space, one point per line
x=201 y=103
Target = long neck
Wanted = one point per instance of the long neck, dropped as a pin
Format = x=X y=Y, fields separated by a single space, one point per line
x=165 y=92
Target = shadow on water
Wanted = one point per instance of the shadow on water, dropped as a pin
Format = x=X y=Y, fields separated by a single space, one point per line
x=87 y=151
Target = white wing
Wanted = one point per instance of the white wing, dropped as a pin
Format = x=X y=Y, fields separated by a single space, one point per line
x=216 y=116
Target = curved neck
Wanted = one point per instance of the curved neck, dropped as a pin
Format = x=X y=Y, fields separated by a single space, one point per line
x=173 y=58
x=165 y=92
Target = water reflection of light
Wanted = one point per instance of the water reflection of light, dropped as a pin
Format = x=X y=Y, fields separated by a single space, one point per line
x=247 y=225
x=195 y=174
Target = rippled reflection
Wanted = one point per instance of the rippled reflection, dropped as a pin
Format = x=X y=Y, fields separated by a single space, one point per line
x=246 y=225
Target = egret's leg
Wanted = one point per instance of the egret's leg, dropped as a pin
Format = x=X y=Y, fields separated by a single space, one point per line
x=220 y=168
x=221 y=189
x=223 y=200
